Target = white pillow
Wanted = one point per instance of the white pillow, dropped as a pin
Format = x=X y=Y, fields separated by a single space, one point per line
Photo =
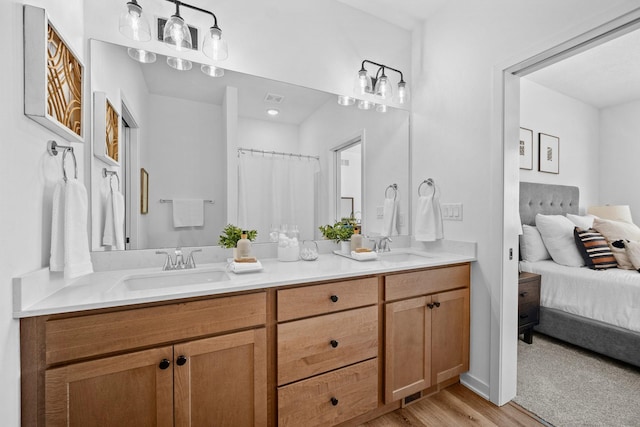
x=532 y=247
x=557 y=235
x=583 y=221
x=618 y=230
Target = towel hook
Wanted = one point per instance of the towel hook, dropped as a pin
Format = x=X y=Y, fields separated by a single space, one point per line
x=52 y=149
x=430 y=182
x=106 y=172
x=394 y=187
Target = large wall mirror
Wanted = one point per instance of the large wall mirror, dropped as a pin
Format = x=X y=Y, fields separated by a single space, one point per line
x=212 y=139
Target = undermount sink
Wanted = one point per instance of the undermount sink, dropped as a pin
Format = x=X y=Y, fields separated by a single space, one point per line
x=403 y=256
x=169 y=279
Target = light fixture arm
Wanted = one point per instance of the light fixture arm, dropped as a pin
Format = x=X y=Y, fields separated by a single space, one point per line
x=381 y=67
x=179 y=3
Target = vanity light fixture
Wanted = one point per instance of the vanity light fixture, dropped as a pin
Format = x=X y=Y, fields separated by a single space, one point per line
x=175 y=31
x=142 y=55
x=212 y=70
x=179 y=63
x=346 y=100
x=380 y=85
x=365 y=105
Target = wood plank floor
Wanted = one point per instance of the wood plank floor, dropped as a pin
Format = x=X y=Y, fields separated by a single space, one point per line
x=457 y=406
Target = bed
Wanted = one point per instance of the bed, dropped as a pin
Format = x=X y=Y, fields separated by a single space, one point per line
x=605 y=316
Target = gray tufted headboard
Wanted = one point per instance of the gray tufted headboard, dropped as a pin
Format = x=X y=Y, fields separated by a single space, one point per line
x=547 y=199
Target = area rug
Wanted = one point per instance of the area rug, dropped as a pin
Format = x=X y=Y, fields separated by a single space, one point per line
x=569 y=387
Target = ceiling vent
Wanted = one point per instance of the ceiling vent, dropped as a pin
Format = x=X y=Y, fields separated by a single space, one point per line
x=272 y=97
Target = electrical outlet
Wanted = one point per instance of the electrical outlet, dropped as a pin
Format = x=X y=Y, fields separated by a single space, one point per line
x=379 y=212
x=451 y=211
x=401 y=220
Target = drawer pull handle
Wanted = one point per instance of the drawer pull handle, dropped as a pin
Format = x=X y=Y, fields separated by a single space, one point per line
x=334 y=401
x=523 y=294
x=430 y=305
x=334 y=298
x=334 y=343
x=164 y=364
x=437 y=304
x=524 y=316
x=181 y=360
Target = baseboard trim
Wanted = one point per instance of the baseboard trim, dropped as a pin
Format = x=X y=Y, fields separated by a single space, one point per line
x=474 y=384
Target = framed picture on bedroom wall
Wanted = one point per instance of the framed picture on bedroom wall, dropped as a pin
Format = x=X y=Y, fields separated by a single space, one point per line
x=526 y=149
x=548 y=153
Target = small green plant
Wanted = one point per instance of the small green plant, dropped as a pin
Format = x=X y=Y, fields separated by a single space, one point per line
x=339 y=232
x=231 y=234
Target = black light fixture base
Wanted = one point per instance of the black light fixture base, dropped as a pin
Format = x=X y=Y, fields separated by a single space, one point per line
x=193 y=30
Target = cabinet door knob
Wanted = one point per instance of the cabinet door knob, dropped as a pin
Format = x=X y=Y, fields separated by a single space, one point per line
x=181 y=360
x=524 y=316
x=334 y=343
x=523 y=294
x=334 y=298
x=164 y=364
x=437 y=304
x=334 y=401
x=430 y=305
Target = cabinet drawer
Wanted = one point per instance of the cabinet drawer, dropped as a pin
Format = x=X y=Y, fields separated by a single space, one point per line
x=327 y=298
x=97 y=334
x=319 y=344
x=406 y=285
x=528 y=292
x=528 y=314
x=354 y=391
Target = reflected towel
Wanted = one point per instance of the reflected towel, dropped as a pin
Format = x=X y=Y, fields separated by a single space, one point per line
x=56 y=260
x=114 y=220
x=188 y=212
x=389 y=217
x=77 y=260
x=428 y=219
x=245 y=267
x=364 y=256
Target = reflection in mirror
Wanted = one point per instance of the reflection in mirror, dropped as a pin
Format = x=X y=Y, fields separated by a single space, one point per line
x=211 y=138
x=349 y=176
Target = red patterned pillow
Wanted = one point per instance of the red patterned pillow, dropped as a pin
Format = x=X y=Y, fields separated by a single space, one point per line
x=594 y=249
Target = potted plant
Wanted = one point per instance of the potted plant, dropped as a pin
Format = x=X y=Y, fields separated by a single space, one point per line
x=231 y=234
x=340 y=232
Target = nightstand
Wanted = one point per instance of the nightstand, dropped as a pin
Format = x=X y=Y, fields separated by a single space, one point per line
x=528 y=304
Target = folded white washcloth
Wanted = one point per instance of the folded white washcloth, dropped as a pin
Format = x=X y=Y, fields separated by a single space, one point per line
x=428 y=223
x=188 y=212
x=77 y=260
x=56 y=260
x=363 y=256
x=245 y=267
x=114 y=220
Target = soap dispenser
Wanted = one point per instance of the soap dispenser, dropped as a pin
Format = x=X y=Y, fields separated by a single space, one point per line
x=243 y=246
x=356 y=239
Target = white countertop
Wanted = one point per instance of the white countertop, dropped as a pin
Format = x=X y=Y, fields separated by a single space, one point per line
x=42 y=292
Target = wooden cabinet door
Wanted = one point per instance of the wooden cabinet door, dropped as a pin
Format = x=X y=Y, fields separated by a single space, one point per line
x=450 y=334
x=222 y=381
x=407 y=348
x=134 y=390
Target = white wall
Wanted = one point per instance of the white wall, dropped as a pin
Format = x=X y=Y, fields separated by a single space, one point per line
x=26 y=183
x=619 y=154
x=456 y=54
x=577 y=126
x=189 y=165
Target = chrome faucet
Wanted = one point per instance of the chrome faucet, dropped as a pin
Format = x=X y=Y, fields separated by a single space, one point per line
x=380 y=244
x=179 y=263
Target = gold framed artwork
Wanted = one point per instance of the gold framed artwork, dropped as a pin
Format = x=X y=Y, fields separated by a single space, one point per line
x=53 y=96
x=144 y=191
x=106 y=124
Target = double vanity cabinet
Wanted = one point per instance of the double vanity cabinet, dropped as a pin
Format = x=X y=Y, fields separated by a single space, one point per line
x=325 y=353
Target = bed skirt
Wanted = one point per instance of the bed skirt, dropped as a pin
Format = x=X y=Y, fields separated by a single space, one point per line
x=610 y=340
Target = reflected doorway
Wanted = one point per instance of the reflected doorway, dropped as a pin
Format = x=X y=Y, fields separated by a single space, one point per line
x=348 y=167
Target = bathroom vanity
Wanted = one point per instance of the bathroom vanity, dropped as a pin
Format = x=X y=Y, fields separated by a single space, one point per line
x=331 y=342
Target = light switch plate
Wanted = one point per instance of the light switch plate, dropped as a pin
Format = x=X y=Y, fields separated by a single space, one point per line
x=451 y=211
x=379 y=212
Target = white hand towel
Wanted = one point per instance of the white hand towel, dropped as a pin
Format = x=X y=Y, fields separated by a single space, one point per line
x=114 y=220
x=188 y=212
x=56 y=261
x=77 y=260
x=364 y=256
x=389 y=217
x=428 y=223
x=245 y=267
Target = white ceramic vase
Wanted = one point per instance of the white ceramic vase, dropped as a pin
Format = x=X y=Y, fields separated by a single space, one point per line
x=345 y=246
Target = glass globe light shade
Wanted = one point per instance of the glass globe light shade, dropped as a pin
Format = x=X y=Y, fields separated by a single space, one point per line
x=214 y=46
x=402 y=96
x=381 y=108
x=346 y=100
x=179 y=63
x=142 y=55
x=212 y=70
x=177 y=34
x=365 y=105
x=362 y=83
x=383 y=88
x=133 y=25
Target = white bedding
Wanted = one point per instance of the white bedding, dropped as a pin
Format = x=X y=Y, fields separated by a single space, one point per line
x=611 y=296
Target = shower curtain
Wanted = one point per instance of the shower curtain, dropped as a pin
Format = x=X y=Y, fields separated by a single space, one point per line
x=275 y=190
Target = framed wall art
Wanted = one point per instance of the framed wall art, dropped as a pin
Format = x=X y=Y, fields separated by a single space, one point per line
x=144 y=191
x=526 y=149
x=54 y=77
x=548 y=153
x=106 y=122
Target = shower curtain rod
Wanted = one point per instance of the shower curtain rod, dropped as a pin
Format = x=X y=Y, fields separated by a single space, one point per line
x=280 y=153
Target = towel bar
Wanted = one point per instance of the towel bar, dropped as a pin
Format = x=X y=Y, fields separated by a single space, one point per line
x=394 y=187
x=52 y=149
x=430 y=182
x=171 y=201
x=106 y=172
